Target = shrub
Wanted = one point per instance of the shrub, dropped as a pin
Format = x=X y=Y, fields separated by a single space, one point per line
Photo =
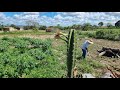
x=37 y=53
x=108 y=34
x=17 y=60
x=3 y=45
x=100 y=34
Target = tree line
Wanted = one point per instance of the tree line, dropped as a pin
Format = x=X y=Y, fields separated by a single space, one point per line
x=85 y=27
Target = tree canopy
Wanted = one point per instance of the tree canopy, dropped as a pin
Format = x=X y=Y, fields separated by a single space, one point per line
x=117 y=24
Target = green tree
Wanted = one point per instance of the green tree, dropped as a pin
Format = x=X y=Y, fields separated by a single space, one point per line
x=100 y=24
x=42 y=27
x=59 y=26
x=31 y=24
x=117 y=24
x=95 y=26
x=1 y=26
x=86 y=27
x=12 y=25
x=109 y=25
x=77 y=27
x=74 y=26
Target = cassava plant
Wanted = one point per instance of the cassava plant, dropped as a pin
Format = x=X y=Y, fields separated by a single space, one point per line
x=71 y=45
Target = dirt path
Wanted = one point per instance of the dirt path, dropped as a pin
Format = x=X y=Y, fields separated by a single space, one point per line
x=38 y=36
x=30 y=36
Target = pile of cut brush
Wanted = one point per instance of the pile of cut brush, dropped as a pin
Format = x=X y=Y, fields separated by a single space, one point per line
x=107 y=73
x=109 y=52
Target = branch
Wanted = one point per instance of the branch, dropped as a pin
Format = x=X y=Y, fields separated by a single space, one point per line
x=64 y=39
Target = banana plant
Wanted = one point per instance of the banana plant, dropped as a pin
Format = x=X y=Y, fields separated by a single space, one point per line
x=70 y=39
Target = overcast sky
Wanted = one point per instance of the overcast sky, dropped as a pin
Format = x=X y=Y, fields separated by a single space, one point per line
x=62 y=18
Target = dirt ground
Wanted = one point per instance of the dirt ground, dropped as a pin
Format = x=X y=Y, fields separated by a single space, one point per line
x=114 y=63
x=38 y=36
x=30 y=36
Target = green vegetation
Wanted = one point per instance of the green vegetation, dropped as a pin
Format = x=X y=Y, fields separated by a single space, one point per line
x=110 y=34
x=88 y=66
x=50 y=58
x=37 y=58
x=25 y=57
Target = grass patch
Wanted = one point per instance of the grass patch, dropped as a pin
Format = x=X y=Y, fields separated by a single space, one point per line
x=89 y=66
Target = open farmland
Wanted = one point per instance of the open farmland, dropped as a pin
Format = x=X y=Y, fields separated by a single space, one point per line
x=59 y=44
x=40 y=55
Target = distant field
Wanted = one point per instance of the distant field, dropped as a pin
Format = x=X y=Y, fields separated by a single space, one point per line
x=28 y=33
x=25 y=32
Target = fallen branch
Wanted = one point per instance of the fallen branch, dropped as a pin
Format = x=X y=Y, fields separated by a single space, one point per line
x=116 y=74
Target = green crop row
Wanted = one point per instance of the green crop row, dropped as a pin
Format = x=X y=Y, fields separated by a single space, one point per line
x=27 y=58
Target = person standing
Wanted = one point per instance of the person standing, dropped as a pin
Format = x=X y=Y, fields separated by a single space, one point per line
x=85 y=47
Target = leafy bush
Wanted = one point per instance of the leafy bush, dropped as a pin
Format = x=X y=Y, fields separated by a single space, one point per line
x=46 y=45
x=117 y=37
x=38 y=61
x=5 y=38
x=110 y=34
x=37 y=53
x=21 y=44
x=36 y=43
x=3 y=45
x=100 y=34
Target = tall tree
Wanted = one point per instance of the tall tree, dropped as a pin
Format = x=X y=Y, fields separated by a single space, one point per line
x=87 y=26
x=1 y=26
x=59 y=26
x=32 y=24
x=100 y=24
x=42 y=27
